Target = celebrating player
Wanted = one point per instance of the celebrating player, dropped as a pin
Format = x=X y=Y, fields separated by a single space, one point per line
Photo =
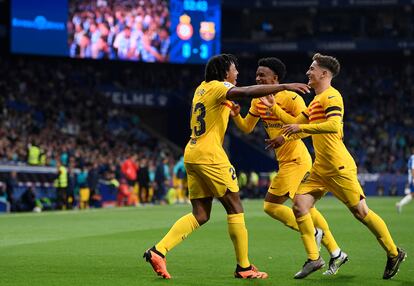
x=334 y=169
x=292 y=155
x=209 y=171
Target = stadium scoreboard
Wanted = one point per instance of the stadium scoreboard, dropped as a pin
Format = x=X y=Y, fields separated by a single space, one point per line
x=175 y=31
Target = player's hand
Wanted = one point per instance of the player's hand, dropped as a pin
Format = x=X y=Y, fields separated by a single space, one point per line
x=275 y=142
x=290 y=129
x=268 y=100
x=235 y=109
x=298 y=87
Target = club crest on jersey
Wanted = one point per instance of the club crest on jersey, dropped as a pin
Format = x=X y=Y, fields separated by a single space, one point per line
x=268 y=112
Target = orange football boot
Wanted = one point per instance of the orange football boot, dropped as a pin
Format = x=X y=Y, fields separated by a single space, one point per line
x=157 y=261
x=250 y=272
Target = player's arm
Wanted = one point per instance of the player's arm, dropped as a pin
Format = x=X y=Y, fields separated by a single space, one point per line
x=296 y=107
x=286 y=118
x=282 y=139
x=331 y=125
x=255 y=91
x=246 y=124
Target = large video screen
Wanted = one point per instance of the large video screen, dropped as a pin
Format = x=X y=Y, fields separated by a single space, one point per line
x=176 y=31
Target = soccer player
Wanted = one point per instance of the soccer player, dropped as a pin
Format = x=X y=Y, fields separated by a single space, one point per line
x=209 y=171
x=409 y=196
x=334 y=169
x=292 y=155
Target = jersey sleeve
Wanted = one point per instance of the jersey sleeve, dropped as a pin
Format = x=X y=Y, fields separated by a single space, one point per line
x=298 y=106
x=333 y=109
x=333 y=106
x=222 y=88
x=253 y=109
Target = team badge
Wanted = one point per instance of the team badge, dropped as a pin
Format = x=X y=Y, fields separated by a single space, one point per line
x=184 y=28
x=207 y=30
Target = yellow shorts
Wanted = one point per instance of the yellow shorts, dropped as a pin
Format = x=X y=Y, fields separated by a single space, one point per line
x=84 y=194
x=344 y=186
x=288 y=178
x=206 y=181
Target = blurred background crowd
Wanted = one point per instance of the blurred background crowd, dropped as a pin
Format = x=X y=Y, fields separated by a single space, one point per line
x=116 y=29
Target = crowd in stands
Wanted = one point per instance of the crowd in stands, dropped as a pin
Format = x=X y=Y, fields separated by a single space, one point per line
x=56 y=112
x=58 y=108
x=116 y=29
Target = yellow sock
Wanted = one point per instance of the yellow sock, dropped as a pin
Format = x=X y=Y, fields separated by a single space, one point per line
x=282 y=213
x=307 y=230
x=178 y=232
x=238 y=234
x=327 y=240
x=378 y=227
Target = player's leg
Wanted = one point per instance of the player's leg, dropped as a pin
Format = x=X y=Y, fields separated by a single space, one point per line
x=347 y=188
x=201 y=200
x=302 y=203
x=224 y=185
x=328 y=240
x=186 y=224
x=378 y=227
x=310 y=190
x=183 y=227
x=338 y=257
x=239 y=236
x=283 y=187
x=407 y=199
x=273 y=206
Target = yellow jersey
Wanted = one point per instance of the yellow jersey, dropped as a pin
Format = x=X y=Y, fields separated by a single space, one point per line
x=331 y=155
x=293 y=104
x=210 y=113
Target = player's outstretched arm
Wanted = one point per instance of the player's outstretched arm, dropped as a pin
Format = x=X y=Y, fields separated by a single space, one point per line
x=269 y=101
x=255 y=91
x=332 y=125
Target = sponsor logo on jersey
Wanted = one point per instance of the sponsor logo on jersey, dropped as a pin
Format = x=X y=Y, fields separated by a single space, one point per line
x=227 y=84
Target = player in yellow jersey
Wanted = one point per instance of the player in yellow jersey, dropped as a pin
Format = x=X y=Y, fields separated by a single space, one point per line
x=334 y=169
x=292 y=155
x=209 y=171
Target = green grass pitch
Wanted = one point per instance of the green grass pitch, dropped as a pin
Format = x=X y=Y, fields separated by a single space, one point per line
x=105 y=247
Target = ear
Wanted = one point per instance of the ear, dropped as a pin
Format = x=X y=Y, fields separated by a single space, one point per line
x=276 y=77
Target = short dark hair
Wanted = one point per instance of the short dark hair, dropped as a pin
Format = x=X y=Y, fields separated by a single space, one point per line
x=217 y=67
x=276 y=65
x=328 y=62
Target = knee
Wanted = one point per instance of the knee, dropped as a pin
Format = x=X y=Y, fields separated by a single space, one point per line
x=267 y=207
x=202 y=218
x=359 y=213
x=298 y=210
